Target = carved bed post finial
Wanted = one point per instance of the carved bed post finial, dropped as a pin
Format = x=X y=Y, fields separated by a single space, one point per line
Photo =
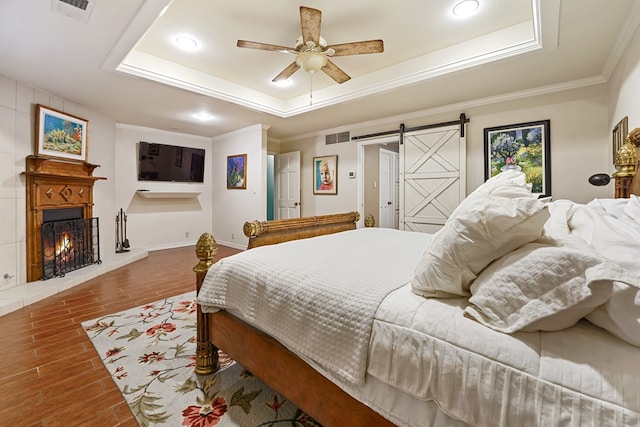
x=252 y=228
x=369 y=221
x=633 y=187
x=206 y=353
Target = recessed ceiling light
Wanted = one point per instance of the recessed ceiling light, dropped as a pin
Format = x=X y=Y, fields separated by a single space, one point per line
x=283 y=83
x=203 y=116
x=465 y=8
x=186 y=43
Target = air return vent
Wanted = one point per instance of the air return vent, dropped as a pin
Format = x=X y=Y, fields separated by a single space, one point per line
x=336 y=138
x=78 y=9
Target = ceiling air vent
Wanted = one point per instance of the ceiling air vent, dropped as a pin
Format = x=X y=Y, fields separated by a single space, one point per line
x=78 y=9
x=336 y=138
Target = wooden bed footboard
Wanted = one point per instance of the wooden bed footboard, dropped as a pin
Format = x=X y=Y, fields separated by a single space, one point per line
x=262 y=355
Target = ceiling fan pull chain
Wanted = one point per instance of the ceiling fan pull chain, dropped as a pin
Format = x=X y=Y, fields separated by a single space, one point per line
x=310 y=90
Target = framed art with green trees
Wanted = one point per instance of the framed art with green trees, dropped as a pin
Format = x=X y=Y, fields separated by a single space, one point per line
x=522 y=146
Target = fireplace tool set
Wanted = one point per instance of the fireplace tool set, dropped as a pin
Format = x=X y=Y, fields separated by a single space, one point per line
x=122 y=243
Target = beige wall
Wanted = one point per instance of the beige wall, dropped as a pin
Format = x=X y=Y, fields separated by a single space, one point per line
x=623 y=87
x=323 y=204
x=580 y=144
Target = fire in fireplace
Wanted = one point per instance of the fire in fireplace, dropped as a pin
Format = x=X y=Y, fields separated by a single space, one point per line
x=69 y=242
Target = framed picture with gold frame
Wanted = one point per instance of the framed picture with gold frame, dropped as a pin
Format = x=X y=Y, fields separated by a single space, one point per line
x=619 y=136
x=60 y=134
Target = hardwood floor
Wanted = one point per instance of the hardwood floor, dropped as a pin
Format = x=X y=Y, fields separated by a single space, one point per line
x=50 y=374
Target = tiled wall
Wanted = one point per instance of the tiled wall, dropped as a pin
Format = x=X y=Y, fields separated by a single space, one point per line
x=17 y=107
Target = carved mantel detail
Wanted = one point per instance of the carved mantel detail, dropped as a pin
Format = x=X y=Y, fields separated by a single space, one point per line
x=53 y=184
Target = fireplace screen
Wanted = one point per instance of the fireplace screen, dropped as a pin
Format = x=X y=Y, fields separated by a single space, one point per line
x=68 y=245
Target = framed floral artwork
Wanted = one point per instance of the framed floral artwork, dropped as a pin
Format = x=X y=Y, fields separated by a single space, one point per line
x=522 y=146
x=60 y=134
x=237 y=172
x=325 y=175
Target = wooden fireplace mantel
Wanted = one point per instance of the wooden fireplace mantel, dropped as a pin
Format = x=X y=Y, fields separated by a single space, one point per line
x=53 y=183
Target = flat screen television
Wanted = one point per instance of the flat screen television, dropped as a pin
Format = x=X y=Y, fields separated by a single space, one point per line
x=163 y=162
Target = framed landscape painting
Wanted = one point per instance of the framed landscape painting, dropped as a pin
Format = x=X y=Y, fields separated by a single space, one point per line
x=524 y=147
x=60 y=134
x=237 y=172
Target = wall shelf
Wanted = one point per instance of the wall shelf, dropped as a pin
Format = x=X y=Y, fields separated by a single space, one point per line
x=168 y=194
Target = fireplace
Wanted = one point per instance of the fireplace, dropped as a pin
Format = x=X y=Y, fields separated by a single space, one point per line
x=69 y=241
x=55 y=185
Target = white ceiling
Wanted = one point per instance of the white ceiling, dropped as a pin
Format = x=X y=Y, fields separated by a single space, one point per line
x=122 y=61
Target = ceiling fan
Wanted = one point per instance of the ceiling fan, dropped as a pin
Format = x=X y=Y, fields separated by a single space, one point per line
x=312 y=52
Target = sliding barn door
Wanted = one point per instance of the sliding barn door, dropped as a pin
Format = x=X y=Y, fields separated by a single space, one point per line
x=432 y=181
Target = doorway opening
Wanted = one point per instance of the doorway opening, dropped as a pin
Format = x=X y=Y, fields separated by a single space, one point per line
x=377 y=162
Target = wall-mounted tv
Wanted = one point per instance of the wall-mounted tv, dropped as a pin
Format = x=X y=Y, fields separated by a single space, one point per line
x=163 y=162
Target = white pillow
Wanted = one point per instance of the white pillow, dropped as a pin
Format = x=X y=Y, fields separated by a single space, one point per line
x=615 y=207
x=616 y=236
x=631 y=215
x=498 y=217
x=620 y=315
x=546 y=285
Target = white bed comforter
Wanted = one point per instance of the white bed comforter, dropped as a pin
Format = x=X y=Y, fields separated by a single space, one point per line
x=428 y=349
x=298 y=307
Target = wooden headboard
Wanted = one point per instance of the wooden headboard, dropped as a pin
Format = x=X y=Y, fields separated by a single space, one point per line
x=261 y=233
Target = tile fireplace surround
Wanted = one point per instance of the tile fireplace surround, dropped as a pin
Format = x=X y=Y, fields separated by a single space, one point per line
x=50 y=184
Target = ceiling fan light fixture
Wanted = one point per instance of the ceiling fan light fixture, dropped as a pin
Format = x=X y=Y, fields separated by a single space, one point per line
x=465 y=8
x=311 y=61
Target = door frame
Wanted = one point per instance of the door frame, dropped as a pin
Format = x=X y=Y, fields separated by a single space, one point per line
x=360 y=170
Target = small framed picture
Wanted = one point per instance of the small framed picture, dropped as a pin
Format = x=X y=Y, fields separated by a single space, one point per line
x=619 y=137
x=60 y=135
x=325 y=175
x=237 y=172
x=523 y=147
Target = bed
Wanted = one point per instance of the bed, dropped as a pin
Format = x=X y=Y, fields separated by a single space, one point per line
x=519 y=312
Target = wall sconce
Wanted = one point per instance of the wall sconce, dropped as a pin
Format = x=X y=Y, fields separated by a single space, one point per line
x=599 y=179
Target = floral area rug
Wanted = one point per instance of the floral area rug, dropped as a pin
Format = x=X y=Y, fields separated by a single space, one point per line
x=150 y=353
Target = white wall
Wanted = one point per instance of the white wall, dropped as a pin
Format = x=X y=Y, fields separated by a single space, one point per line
x=155 y=224
x=17 y=141
x=232 y=208
x=624 y=87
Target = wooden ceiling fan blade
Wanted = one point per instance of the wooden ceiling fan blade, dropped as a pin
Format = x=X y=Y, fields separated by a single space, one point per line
x=333 y=71
x=265 y=46
x=310 y=22
x=287 y=72
x=357 y=48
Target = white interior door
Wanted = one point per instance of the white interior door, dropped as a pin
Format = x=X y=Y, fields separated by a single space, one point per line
x=287 y=184
x=388 y=197
x=432 y=176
